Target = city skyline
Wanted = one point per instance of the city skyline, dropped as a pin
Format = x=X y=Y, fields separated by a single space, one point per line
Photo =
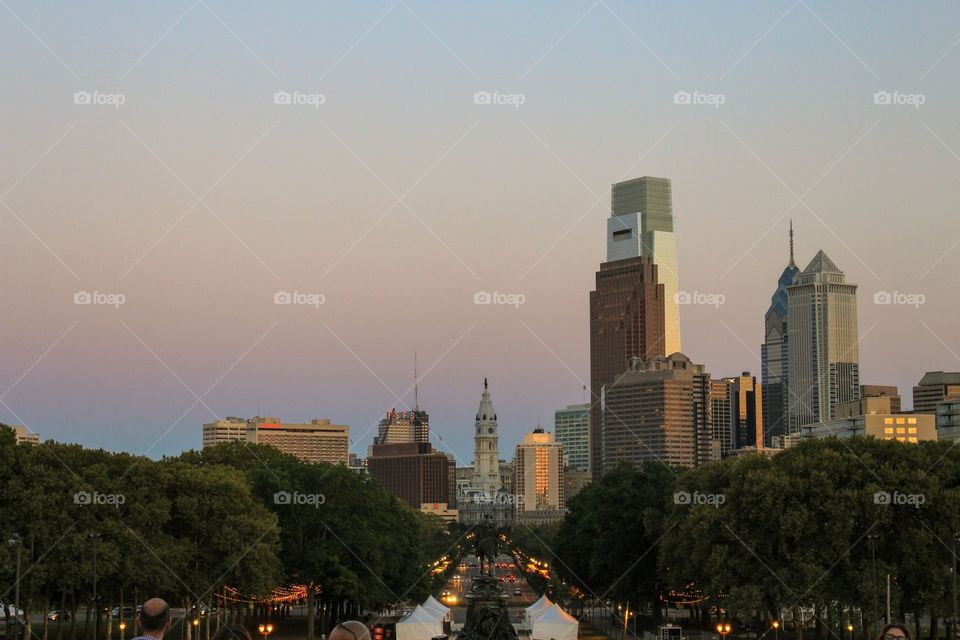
x=502 y=198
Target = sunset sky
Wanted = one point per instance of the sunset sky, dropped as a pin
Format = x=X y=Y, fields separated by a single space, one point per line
x=394 y=196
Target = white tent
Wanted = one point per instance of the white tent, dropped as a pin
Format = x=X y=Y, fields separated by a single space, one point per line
x=433 y=605
x=420 y=624
x=554 y=624
x=536 y=609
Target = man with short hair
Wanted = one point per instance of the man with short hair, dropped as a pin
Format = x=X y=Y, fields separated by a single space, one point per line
x=154 y=619
x=350 y=630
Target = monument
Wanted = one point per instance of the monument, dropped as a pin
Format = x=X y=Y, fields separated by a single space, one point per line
x=487 y=615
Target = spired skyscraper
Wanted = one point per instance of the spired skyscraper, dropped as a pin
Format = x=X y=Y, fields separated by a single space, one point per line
x=774 y=354
x=641 y=224
x=823 y=347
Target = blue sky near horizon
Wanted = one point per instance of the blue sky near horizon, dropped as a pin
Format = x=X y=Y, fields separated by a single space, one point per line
x=399 y=197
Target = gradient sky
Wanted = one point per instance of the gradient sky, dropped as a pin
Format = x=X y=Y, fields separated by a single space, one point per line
x=398 y=198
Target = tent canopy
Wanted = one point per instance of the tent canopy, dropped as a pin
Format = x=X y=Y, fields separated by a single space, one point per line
x=554 y=624
x=536 y=609
x=432 y=604
x=420 y=624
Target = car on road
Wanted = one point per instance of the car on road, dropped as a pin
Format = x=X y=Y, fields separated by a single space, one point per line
x=127 y=612
x=517 y=592
x=56 y=614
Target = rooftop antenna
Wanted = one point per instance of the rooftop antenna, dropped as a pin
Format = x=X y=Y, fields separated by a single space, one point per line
x=416 y=388
x=484 y=383
x=791 y=242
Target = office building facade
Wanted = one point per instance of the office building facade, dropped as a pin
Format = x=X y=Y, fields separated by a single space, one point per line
x=572 y=428
x=538 y=479
x=933 y=388
x=774 y=354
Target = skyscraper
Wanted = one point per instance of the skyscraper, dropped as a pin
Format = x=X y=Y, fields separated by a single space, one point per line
x=823 y=351
x=412 y=425
x=641 y=224
x=486 y=448
x=774 y=369
x=658 y=411
x=538 y=478
x=626 y=320
x=572 y=429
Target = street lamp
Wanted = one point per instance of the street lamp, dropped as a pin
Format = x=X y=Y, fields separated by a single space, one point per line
x=776 y=630
x=850 y=630
x=265 y=630
x=724 y=628
x=96 y=604
x=15 y=540
x=872 y=537
x=123 y=627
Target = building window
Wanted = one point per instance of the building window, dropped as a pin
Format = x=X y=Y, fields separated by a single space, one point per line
x=888 y=429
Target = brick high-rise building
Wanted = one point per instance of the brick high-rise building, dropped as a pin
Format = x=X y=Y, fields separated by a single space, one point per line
x=413 y=472
x=626 y=320
x=658 y=411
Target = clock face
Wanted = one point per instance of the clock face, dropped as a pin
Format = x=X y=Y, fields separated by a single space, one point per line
x=489 y=429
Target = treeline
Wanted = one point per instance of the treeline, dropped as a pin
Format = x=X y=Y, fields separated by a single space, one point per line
x=816 y=528
x=240 y=516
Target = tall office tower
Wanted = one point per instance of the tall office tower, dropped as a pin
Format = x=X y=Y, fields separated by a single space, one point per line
x=721 y=417
x=486 y=449
x=934 y=387
x=538 y=478
x=413 y=472
x=747 y=411
x=774 y=370
x=641 y=224
x=412 y=425
x=823 y=353
x=626 y=320
x=883 y=391
x=658 y=411
x=572 y=428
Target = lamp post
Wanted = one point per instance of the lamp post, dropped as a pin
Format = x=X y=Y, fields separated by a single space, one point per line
x=850 y=630
x=96 y=603
x=196 y=628
x=15 y=540
x=123 y=626
x=873 y=553
x=723 y=629
x=776 y=630
x=265 y=630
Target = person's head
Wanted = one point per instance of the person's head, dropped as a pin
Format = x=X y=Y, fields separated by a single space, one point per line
x=232 y=632
x=894 y=631
x=154 y=617
x=350 y=630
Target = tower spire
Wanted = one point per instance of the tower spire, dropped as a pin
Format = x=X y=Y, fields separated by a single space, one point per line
x=791 y=243
x=416 y=388
x=484 y=383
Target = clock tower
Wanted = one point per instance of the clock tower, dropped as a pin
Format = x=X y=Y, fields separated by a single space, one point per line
x=486 y=448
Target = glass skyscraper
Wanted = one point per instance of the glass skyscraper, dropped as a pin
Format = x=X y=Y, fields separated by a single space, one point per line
x=775 y=373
